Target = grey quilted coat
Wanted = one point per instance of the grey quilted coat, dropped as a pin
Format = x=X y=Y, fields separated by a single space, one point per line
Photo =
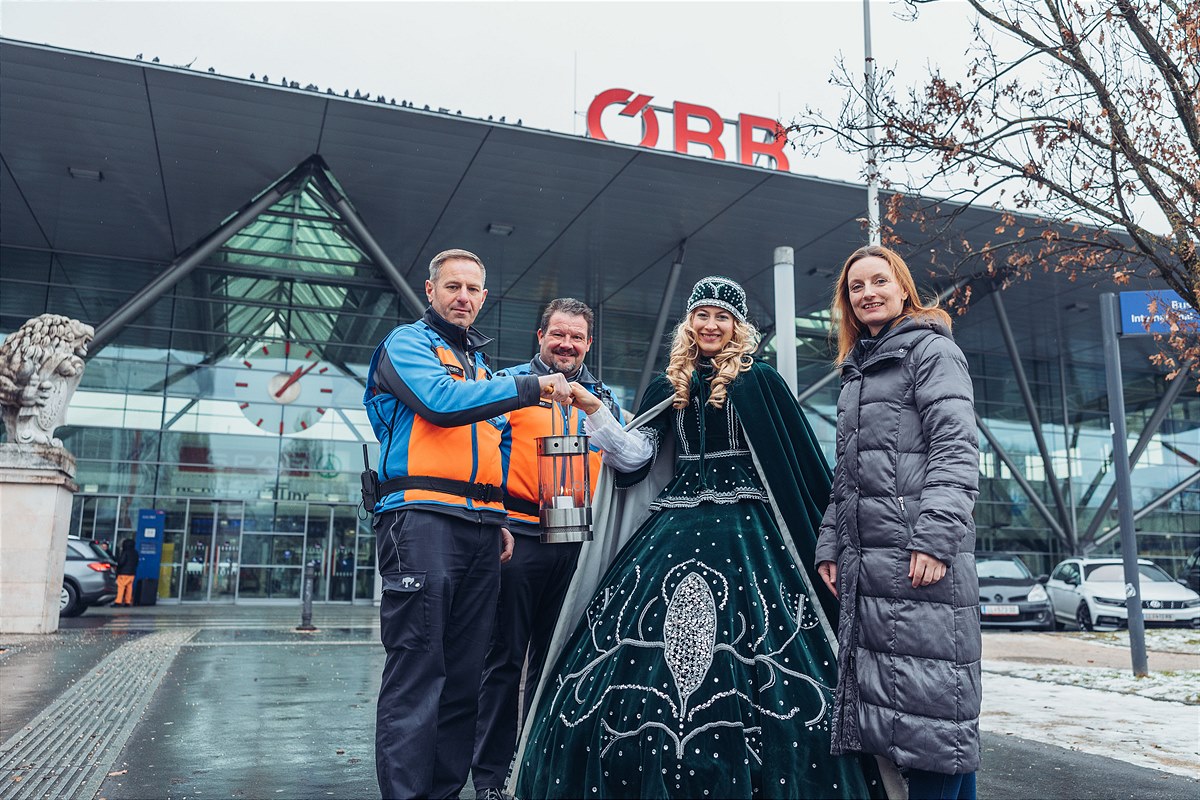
x=906 y=479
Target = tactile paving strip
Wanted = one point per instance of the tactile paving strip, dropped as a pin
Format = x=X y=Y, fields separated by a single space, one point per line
x=69 y=748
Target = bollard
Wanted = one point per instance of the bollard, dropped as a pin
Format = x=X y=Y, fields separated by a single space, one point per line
x=306 y=598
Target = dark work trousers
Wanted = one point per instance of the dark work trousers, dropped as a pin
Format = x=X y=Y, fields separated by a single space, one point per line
x=533 y=585
x=440 y=576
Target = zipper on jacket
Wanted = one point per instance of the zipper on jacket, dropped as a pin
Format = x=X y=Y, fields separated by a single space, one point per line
x=904 y=516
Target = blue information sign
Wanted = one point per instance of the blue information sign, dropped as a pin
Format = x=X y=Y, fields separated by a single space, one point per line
x=1135 y=312
x=149 y=542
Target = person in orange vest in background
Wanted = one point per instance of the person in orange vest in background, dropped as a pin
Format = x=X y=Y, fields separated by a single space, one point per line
x=127 y=563
x=534 y=581
x=440 y=526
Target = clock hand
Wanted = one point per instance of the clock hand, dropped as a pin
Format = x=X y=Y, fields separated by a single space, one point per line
x=295 y=376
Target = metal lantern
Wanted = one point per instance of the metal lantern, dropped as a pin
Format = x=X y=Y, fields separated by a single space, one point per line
x=564 y=489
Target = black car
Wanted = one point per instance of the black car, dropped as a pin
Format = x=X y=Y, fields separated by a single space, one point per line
x=1009 y=595
x=89 y=578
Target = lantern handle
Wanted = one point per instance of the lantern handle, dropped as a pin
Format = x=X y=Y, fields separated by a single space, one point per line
x=558 y=413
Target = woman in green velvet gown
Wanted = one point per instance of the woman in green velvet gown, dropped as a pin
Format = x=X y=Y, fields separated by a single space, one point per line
x=693 y=656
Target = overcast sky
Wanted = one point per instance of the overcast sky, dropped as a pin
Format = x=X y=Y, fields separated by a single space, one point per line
x=542 y=62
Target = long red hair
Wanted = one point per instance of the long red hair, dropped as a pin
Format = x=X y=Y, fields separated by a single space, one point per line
x=846 y=326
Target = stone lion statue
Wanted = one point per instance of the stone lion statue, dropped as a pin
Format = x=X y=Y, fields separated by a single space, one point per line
x=41 y=363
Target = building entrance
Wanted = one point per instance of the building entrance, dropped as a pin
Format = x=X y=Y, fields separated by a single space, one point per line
x=210 y=551
x=233 y=550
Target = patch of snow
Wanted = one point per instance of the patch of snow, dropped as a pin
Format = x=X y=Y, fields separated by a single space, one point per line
x=1158 y=640
x=1065 y=706
x=1181 y=686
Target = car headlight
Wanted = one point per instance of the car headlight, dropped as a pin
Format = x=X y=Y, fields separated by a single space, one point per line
x=1108 y=601
x=1037 y=594
x=1191 y=603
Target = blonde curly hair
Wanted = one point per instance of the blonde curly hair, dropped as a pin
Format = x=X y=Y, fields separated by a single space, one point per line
x=685 y=356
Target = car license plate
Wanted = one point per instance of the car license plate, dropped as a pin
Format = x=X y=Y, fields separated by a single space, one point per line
x=999 y=611
x=1156 y=616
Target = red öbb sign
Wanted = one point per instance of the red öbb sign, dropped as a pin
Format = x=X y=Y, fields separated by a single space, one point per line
x=682 y=115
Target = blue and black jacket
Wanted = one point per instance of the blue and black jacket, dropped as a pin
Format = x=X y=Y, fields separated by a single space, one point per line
x=438 y=414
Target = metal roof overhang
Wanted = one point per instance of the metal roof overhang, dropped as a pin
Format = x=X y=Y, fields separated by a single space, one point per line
x=601 y=221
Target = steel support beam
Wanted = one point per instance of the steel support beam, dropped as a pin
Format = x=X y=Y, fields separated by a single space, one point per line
x=1035 y=421
x=1153 y=505
x=1021 y=481
x=660 y=325
x=178 y=269
x=1148 y=433
x=351 y=218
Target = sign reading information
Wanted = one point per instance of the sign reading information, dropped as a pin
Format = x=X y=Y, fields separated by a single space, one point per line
x=1135 y=312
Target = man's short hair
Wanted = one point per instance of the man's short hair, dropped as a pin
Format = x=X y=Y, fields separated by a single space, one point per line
x=568 y=305
x=435 y=266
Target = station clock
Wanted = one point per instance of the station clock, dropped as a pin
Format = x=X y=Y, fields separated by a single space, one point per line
x=283 y=387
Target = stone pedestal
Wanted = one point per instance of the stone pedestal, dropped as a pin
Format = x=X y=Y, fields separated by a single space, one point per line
x=36 y=487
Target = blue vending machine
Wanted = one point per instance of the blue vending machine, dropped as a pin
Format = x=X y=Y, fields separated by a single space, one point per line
x=149 y=547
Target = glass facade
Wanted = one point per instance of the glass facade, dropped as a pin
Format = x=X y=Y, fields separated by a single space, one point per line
x=234 y=404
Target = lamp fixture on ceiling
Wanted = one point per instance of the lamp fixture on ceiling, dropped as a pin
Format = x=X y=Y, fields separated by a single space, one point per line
x=499 y=229
x=86 y=174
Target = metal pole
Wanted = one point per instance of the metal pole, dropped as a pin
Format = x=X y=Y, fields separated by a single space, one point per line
x=306 y=598
x=660 y=325
x=785 y=315
x=873 y=231
x=1116 y=413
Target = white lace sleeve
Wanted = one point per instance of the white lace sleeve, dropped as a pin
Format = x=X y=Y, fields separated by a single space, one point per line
x=624 y=451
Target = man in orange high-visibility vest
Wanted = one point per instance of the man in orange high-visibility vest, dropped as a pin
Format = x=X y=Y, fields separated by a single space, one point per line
x=534 y=582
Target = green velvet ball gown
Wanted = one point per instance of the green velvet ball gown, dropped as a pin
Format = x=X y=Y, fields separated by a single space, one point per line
x=701 y=667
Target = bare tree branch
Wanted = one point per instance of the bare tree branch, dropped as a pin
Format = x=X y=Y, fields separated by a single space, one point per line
x=1083 y=116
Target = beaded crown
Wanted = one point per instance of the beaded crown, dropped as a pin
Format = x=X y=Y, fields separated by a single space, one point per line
x=717 y=290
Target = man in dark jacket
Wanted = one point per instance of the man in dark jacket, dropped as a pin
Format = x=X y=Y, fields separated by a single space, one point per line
x=534 y=582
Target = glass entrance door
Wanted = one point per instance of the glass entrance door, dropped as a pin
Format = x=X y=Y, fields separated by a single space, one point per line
x=341 y=554
x=197 y=551
x=211 y=547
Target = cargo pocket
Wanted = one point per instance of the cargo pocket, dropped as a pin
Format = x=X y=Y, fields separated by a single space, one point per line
x=404 y=612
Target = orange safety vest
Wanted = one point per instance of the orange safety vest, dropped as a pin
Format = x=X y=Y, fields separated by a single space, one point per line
x=468 y=453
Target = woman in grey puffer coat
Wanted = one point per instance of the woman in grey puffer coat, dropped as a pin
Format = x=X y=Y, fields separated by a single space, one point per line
x=897 y=541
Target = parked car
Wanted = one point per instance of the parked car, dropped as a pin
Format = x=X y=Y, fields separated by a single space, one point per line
x=89 y=578
x=1091 y=593
x=1190 y=575
x=1009 y=595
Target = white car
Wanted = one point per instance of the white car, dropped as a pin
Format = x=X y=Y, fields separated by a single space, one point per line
x=1091 y=593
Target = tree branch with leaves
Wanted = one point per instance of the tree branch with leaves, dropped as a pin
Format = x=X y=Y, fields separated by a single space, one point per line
x=1079 y=121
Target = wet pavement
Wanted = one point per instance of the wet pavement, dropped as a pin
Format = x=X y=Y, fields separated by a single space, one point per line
x=245 y=706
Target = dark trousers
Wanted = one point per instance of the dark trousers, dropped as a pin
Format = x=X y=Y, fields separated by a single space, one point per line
x=440 y=579
x=533 y=585
x=926 y=785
